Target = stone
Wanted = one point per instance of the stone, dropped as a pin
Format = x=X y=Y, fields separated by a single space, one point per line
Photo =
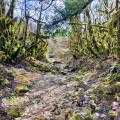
x=112 y=114
x=97 y=115
x=47 y=113
x=107 y=89
x=50 y=108
x=97 y=109
x=19 y=118
x=103 y=116
x=80 y=117
x=118 y=113
x=52 y=118
x=57 y=111
x=93 y=107
x=21 y=90
x=68 y=110
x=117 y=97
x=115 y=105
x=89 y=91
x=84 y=85
x=60 y=117
x=43 y=117
x=62 y=83
x=84 y=112
x=93 y=97
x=116 y=87
x=81 y=95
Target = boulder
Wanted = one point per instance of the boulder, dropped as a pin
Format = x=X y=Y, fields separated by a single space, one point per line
x=21 y=90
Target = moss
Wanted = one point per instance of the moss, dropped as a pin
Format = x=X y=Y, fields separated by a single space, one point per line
x=54 y=67
x=83 y=114
x=92 y=106
x=21 y=90
x=3 y=58
x=41 y=67
x=81 y=73
x=113 y=22
x=88 y=118
x=109 y=89
x=63 y=73
x=114 y=70
x=94 y=98
x=73 y=69
x=117 y=96
x=106 y=79
x=116 y=87
x=112 y=114
x=15 y=111
x=62 y=83
x=56 y=70
x=75 y=117
x=115 y=79
x=84 y=69
x=77 y=78
x=105 y=96
x=67 y=67
x=97 y=109
x=51 y=56
x=100 y=91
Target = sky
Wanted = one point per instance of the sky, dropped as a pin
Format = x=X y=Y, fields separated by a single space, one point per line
x=46 y=16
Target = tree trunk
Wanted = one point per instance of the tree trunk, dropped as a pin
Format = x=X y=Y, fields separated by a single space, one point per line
x=2 y=8
x=26 y=24
x=10 y=12
x=38 y=27
x=118 y=34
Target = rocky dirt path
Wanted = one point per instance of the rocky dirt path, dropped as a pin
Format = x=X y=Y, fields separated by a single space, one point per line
x=60 y=97
x=50 y=98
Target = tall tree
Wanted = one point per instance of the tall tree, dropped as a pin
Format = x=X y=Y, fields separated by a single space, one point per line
x=2 y=8
x=10 y=12
x=118 y=34
x=26 y=23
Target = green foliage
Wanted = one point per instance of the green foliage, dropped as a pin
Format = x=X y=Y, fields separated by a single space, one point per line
x=71 y=6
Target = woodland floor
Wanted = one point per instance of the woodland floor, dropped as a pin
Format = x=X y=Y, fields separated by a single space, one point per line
x=58 y=97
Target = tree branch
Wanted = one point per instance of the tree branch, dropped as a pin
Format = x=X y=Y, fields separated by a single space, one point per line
x=68 y=16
